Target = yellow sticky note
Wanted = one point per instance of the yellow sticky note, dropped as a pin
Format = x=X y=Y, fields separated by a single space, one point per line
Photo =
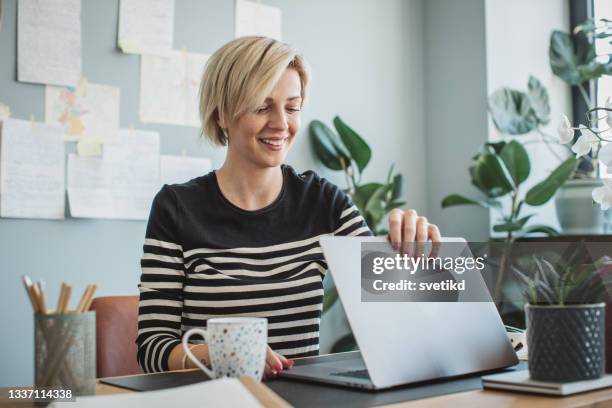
x=129 y=46
x=89 y=147
x=5 y=111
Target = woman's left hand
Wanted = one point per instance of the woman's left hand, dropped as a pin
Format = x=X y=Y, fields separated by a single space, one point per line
x=407 y=227
x=275 y=363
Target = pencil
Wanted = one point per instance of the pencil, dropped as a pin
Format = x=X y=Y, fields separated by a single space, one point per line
x=90 y=297
x=42 y=303
x=66 y=298
x=60 y=301
x=81 y=306
x=27 y=283
x=36 y=293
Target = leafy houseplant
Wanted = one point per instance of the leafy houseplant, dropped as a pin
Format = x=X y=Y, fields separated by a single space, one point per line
x=573 y=59
x=498 y=171
x=346 y=151
x=565 y=320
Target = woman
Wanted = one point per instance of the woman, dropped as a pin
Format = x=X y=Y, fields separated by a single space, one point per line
x=244 y=240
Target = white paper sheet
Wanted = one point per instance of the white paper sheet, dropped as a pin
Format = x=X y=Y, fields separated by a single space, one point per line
x=146 y=26
x=119 y=185
x=222 y=393
x=169 y=88
x=31 y=170
x=86 y=111
x=180 y=169
x=254 y=18
x=49 y=41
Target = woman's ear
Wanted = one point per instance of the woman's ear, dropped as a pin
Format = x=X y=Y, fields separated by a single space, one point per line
x=221 y=120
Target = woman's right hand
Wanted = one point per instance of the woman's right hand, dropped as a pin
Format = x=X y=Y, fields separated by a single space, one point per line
x=275 y=363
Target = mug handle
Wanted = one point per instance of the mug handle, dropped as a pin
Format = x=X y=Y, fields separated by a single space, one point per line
x=193 y=358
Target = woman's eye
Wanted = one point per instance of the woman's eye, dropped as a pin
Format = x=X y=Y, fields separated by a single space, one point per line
x=293 y=109
x=262 y=109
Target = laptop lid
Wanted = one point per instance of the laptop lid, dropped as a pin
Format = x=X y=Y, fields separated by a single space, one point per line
x=405 y=342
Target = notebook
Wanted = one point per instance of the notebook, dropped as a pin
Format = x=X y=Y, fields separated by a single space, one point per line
x=520 y=381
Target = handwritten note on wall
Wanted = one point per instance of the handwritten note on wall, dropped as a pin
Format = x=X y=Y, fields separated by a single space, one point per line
x=31 y=170
x=181 y=169
x=254 y=18
x=49 y=41
x=146 y=26
x=119 y=185
x=169 y=88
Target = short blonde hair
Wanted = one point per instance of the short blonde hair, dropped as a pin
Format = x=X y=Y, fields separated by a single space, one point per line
x=239 y=76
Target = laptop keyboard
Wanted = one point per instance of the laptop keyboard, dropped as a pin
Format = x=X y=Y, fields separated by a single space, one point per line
x=355 y=374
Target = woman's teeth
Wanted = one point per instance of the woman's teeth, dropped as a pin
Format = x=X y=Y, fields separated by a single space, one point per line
x=273 y=142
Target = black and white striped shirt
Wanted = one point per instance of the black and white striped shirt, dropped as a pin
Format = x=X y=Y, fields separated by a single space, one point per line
x=204 y=257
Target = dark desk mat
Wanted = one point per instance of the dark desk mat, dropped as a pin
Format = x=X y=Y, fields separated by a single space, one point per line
x=152 y=382
x=309 y=394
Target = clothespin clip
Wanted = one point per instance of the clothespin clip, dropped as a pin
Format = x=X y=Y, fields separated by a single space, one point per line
x=32 y=121
x=83 y=87
x=184 y=152
x=131 y=127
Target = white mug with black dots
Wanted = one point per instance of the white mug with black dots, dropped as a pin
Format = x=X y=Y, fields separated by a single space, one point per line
x=237 y=346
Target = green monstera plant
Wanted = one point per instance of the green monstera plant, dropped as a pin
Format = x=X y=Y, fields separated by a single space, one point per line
x=345 y=150
x=498 y=171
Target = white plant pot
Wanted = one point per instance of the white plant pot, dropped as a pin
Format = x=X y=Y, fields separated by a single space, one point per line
x=576 y=211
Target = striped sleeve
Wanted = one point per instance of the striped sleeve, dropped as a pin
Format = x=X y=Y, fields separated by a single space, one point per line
x=351 y=222
x=161 y=286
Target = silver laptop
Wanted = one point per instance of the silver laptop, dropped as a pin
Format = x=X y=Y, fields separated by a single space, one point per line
x=405 y=342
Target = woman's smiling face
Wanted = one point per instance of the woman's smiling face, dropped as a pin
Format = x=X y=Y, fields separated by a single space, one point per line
x=263 y=137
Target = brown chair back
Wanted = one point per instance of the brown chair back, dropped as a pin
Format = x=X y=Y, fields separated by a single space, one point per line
x=116 y=331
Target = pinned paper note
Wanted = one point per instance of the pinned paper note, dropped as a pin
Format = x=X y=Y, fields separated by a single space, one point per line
x=31 y=170
x=130 y=46
x=122 y=183
x=169 y=88
x=146 y=26
x=255 y=18
x=49 y=41
x=86 y=111
x=5 y=111
x=180 y=169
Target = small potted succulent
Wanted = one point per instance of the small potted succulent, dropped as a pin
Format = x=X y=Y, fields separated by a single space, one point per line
x=565 y=315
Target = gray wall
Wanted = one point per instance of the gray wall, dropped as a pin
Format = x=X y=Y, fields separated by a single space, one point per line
x=367 y=66
x=455 y=110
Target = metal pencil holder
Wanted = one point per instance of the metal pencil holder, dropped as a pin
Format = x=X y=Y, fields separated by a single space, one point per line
x=65 y=351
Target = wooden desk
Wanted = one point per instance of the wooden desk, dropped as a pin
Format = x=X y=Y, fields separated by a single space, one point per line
x=264 y=395
x=469 y=399
x=502 y=399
